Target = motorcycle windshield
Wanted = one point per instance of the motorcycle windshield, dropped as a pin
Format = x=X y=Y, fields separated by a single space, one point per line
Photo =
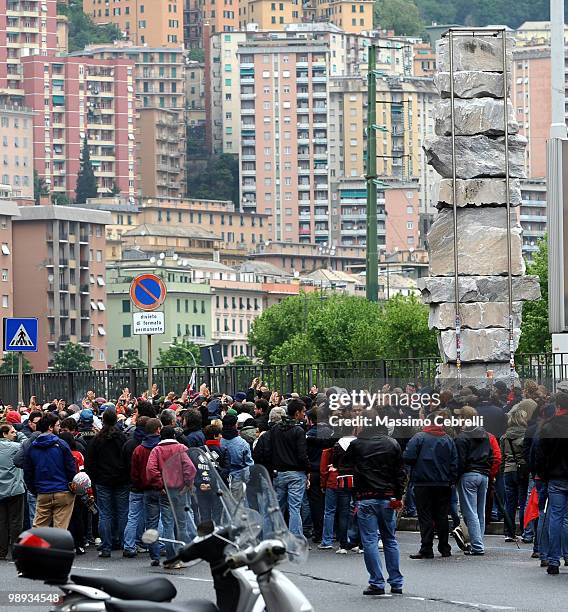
x=202 y=496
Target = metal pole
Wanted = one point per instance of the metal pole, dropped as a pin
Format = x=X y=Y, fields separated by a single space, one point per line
x=558 y=126
x=149 y=336
x=20 y=378
x=372 y=264
x=388 y=280
x=455 y=208
x=508 y=201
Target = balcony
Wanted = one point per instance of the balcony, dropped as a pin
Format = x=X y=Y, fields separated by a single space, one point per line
x=63 y=287
x=85 y=339
x=227 y=335
x=84 y=238
x=85 y=314
x=304 y=187
x=84 y=288
x=63 y=262
x=63 y=313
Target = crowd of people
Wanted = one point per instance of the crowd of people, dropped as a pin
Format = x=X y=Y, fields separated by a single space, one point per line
x=342 y=488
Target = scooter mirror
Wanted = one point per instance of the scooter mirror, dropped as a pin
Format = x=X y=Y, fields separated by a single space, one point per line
x=150 y=536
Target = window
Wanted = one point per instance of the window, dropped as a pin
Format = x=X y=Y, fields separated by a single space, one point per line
x=4 y=301
x=126 y=331
x=409 y=225
x=5 y=249
x=4 y=275
x=125 y=305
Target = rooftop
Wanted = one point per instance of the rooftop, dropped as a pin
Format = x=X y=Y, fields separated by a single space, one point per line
x=172 y=231
x=64 y=213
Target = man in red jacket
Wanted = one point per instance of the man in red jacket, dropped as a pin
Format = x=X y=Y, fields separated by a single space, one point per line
x=492 y=475
x=170 y=473
x=139 y=479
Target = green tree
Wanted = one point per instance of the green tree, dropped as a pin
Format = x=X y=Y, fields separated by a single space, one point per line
x=86 y=179
x=535 y=336
x=72 y=357
x=219 y=181
x=179 y=354
x=403 y=329
x=402 y=16
x=307 y=328
x=10 y=364
x=82 y=30
x=130 y=359
x=196 y=55
x=60 y=199
x=40 y=188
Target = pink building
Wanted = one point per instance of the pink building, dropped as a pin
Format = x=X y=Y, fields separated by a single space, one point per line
x=27 y=27
x=402 y=217
x=76 y=98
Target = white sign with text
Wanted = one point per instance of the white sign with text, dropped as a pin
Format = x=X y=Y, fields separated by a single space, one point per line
x=148 y=323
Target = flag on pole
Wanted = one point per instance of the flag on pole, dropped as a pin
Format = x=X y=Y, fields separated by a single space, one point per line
x=192 y=384
x=531 y=509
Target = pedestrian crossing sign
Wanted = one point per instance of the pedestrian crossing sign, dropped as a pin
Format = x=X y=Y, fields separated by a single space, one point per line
x=20 y=335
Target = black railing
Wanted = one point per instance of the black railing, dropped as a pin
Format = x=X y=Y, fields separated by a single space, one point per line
x=546 y=369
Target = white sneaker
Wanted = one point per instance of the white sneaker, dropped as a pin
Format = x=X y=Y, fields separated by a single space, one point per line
x=380 y=545
x=325 y=547
x=341 y=551
x=358 y=550
x=98 y=541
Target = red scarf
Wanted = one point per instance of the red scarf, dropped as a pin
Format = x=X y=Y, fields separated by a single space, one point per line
x=560 y=412
x=435 y=430
x=213 y=443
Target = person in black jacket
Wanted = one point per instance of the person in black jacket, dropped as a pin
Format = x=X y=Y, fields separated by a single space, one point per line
x=286 y=445
x=379 y=484
x=433 y=456
x=475 y=457
x=106 y=466
x=552 y=467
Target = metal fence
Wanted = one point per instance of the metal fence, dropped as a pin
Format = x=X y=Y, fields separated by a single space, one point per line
x=546 y=369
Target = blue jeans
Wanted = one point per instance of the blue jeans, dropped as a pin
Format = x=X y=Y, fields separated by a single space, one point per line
x=290 y=488
x=454 y=507
x=32 y=501
x=499 y=489
x=158 y=511
x=557 y=511
x=135 y=522
x=375 y=515
x=472 y=491
x=515 y=497
x=336 y=503
x=237 y=479
x=541 y=540
x=113 y=512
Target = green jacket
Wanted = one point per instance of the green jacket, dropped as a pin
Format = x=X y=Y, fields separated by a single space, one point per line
x=11 y=477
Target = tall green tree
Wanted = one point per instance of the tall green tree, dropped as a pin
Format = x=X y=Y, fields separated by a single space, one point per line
x=86 y=179
x=72 y=357
x=40 y=188
x=10 y=364
x=535 y=336
x=179 y=354
x=219 y=181
x=402 y=16
x=306 y=328
x=130 y=359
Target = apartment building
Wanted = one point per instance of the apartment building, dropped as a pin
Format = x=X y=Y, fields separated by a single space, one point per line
x=223 y=93
x=424 y=60
x=220 y=15
x=16 y=154
x=195 y=92
x=156 y=23
x=74 y=98
x=268 y=15
x=8 y=212
x=349 y=15
x=27 y=28
x=532 y=214
x=160 y=142
x=284 y=135
x=159 y=72
x=61 y=280
x=402 y=219
x=530 y=77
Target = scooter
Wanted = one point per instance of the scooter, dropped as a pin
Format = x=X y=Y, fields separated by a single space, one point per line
x=242 y=546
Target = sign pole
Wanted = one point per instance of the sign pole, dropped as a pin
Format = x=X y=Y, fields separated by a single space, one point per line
x=149 y=336
x=20 y=378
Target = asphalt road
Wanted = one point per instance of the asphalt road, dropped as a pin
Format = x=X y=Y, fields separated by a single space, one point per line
x=505 y=579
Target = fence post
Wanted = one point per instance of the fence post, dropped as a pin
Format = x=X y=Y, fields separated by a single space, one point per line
x=70 y=385
x=132 y=381
x=208 y=378
x=233 y=388
x=290 y=378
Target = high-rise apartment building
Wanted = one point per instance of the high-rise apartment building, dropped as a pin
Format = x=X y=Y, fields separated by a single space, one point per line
x=220 y=15
x=16 y=153
x=61 y=280
x=532 y=214
x=8 y=212
x=156 y=23
x=160 y=141
x=284 y=135
x=78 y=98
x=159 y=72
x=530 y=77
x=27 y=27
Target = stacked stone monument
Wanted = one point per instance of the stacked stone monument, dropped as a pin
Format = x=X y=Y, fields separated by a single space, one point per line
x=479 y=97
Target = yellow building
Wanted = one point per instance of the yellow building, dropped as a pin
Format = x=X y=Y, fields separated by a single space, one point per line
x=156 y=23
x=350 y=15
x=268 y=15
